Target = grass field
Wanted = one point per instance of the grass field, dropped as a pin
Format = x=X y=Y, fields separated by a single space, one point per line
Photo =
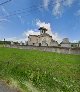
x=37 y=71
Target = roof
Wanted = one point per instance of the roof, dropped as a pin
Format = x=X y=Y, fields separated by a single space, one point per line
x=65 y=42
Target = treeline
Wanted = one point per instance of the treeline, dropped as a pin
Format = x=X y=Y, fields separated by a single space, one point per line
x=8 y=42
x=5 y=42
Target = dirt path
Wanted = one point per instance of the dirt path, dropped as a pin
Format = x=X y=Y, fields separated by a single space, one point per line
x=6 y=88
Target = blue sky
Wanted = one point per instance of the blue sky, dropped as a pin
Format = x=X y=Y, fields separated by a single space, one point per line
x=19 y=18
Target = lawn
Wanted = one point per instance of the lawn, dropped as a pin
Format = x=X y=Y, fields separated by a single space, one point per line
x=38 y=71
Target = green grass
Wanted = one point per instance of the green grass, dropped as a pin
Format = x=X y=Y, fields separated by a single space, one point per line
x=37 y=71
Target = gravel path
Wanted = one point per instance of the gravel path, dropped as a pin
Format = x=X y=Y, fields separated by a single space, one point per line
x=6 y=88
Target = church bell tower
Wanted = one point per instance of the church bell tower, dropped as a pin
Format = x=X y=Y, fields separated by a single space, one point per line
x=42 y=30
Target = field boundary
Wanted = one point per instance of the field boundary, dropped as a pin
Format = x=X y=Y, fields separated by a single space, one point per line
x=64 y=50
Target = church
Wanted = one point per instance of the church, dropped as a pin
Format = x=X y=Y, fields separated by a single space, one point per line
x=44 y=39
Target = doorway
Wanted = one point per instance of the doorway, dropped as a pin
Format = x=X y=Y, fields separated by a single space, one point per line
x=39 y=44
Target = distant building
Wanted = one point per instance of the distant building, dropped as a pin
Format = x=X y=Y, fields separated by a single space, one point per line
x=25 y=43
x=75 y=44
x=65 y=43
x=44 y=39
x=21 y=43
x=12 y=43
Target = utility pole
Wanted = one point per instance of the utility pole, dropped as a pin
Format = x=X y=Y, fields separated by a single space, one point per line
x=4 y=42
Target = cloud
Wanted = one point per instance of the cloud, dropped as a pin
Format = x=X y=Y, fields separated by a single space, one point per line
x=31 y=32
x=21 y=19
x=16 y=39
x=28 y=32
x=4 y=11
x=77 y=13
x=55 y=36
x=68 y=2
x=24 y=36
x=58 y=6
x=75 y=41
x=57 y=9
x=43 y=24
x=11 y=39
x=3 y=19
x=46 y=3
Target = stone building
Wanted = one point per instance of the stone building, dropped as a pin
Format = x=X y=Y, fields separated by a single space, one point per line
x=12 y=43
x=44 y=39
x=65 y=43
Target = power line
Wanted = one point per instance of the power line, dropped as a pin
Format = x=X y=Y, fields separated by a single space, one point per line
x=21 y=11
x=41 y=6
x=5 y=2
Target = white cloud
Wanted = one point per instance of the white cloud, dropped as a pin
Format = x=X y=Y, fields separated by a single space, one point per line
x=3 y=19
x=16 y=39
x=68 y=2
x=46 y=3
x=4 y=11
x=57 y=9
x=24 y=36
x=21 y=19
x=28 y=32
x=55 y=36
x=11 y=39
x=75 y=41
x=31 y=32
x=77 y=13
x=43 y=24
x=58 y=5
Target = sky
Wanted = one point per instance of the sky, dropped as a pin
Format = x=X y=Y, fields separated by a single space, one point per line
x=19 y=18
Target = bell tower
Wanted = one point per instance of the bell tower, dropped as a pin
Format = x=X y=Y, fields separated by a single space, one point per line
x=42 y=30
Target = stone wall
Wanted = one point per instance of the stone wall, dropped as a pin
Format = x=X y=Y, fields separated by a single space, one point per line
x=66 y=45
x=49 y=49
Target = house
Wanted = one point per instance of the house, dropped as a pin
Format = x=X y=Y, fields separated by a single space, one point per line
x=65 y=43
x=44 y=39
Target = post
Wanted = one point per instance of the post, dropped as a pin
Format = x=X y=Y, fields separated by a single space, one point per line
x=4 y=42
